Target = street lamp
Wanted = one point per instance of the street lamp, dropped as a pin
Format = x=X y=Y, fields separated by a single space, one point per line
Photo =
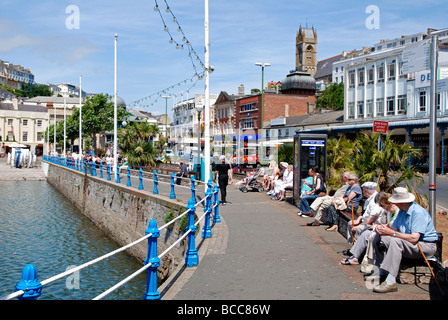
x=199 y=108
x=115 y=105
x=166 y=119
x=262 y=65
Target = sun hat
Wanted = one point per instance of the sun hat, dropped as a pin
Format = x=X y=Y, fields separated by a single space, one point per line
x=284 y=164
x=369 y=185
x=401 y=195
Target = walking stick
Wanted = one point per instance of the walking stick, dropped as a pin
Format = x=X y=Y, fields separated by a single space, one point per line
x=353 y=220
x=432 y=272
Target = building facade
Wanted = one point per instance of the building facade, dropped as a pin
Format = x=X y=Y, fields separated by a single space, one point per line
x=15 y=76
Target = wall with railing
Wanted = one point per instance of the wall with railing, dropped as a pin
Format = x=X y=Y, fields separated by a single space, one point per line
x=29 y=287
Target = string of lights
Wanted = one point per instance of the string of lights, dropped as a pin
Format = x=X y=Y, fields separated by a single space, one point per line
x=180 y=45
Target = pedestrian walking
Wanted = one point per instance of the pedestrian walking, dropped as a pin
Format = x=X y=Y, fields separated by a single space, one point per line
x=223 y=171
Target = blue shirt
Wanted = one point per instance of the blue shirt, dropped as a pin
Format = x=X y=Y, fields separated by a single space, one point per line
x=357 y=199
x=416 y=219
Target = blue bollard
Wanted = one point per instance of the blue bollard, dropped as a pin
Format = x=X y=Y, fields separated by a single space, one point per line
x=29 y=284
x=94 y=169
x=129 y=177
x=172 y=194
x=140 y=177
x=156 y=181
x=151 y=279
x=216 y=217
x=118 y=174
x=191 y=257
x=101 y=170
x=207 y=229
x=88 y=167
x=108 y=171
x=193 y=189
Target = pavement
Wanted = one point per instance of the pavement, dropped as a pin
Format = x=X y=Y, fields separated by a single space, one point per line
x=18 y=174
x=263 y=251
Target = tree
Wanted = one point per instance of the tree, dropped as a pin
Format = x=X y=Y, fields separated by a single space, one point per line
x=136 y=145
x=332 y=97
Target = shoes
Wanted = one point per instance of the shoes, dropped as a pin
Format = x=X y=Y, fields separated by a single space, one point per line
x=313 y=224
x=384 y=288
x=332 y=228
x=269 y=193
x=308 y=214
x=224 y=203
x=351 y=261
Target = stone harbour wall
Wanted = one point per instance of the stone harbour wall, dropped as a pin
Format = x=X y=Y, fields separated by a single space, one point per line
x=122 y=212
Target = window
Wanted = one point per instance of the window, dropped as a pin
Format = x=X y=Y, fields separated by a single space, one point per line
x=369 y=108
x=39 y=123
x=438 y=101
x=248 y=106
x=351 y=77
x=380 y=107
x=39 y=136
x=380 y=73
x=25 y=122
x=360 y=105
x=370 y=78
x=401 y=104
x=248 y=123
x=422 y=101
x=390 y=106
x=351 y=110
x=391 y=71
x=25 y=136
x=9 y=122
x=361 y=77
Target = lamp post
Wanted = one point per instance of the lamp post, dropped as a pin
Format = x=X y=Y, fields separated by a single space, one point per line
x=199 y=108
x=166 y=120
x=80 y=116
x=65 y=127
x=115 y=105
x=262 y=65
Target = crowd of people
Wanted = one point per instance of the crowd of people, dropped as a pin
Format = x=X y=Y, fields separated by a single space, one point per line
x=389 y=226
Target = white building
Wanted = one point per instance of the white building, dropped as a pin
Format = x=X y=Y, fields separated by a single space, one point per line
x=185 y=123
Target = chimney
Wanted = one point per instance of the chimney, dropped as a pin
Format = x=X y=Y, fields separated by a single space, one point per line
x=241 y=90
x=15 y=103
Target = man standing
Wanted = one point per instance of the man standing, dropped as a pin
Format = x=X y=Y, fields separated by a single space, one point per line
x=223 y=171
x=411 y=229
x=182 y=173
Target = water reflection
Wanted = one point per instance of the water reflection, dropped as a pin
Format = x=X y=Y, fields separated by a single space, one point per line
x=40 y=226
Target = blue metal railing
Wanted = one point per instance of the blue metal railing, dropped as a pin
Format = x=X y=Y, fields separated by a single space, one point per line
x=29 y=287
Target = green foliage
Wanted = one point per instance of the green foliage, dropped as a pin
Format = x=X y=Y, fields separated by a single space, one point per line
x=30 y=90
x=285 y=153
x=332 y=98
x=137 y=145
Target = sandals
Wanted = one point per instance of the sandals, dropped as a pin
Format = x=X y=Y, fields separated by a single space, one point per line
x=349 y=261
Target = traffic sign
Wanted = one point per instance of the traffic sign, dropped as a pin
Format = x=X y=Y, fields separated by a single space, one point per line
x=380 y=126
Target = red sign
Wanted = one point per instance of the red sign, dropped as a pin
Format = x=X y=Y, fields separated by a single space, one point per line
x=380 y=126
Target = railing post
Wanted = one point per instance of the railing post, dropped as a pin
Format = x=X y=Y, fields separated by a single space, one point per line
x=94 y=169
x=88 y=167
x=108 y=171
x=151 y=280
x=140 y=178
x=172 y=194
x=216 y=217
x=193 y=189
x=129 y=177
x=207 y=229
x=118 y=174
x=29 y=284
x=156 y=181
x=191 y=257
x=101 y=170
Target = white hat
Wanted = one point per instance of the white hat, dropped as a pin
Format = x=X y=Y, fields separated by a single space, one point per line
x=369 y=185
x=284 y=164
x=401 y=195
x=222 y=157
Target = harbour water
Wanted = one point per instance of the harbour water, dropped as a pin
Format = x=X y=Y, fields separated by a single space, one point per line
x=40 y=226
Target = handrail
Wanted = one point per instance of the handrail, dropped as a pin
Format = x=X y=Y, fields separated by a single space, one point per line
x=190 y=260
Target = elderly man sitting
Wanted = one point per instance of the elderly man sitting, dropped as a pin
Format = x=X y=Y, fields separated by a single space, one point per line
x=411 y=230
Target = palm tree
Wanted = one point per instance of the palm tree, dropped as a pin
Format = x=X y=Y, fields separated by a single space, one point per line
x=339 y=158
x=135 y=143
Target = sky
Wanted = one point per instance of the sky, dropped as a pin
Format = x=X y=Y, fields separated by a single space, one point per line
x=61 y=40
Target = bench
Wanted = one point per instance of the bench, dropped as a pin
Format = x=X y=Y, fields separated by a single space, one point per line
x=345 y=223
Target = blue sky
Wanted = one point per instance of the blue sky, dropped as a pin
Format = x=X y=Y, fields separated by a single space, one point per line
x=34 y=34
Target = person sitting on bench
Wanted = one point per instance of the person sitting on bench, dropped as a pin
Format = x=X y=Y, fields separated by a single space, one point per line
x=412 y=230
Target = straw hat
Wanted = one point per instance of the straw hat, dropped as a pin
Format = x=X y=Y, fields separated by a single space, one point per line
x=401 y=195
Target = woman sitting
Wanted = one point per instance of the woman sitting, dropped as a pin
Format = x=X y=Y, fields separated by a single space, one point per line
x=317 y=188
